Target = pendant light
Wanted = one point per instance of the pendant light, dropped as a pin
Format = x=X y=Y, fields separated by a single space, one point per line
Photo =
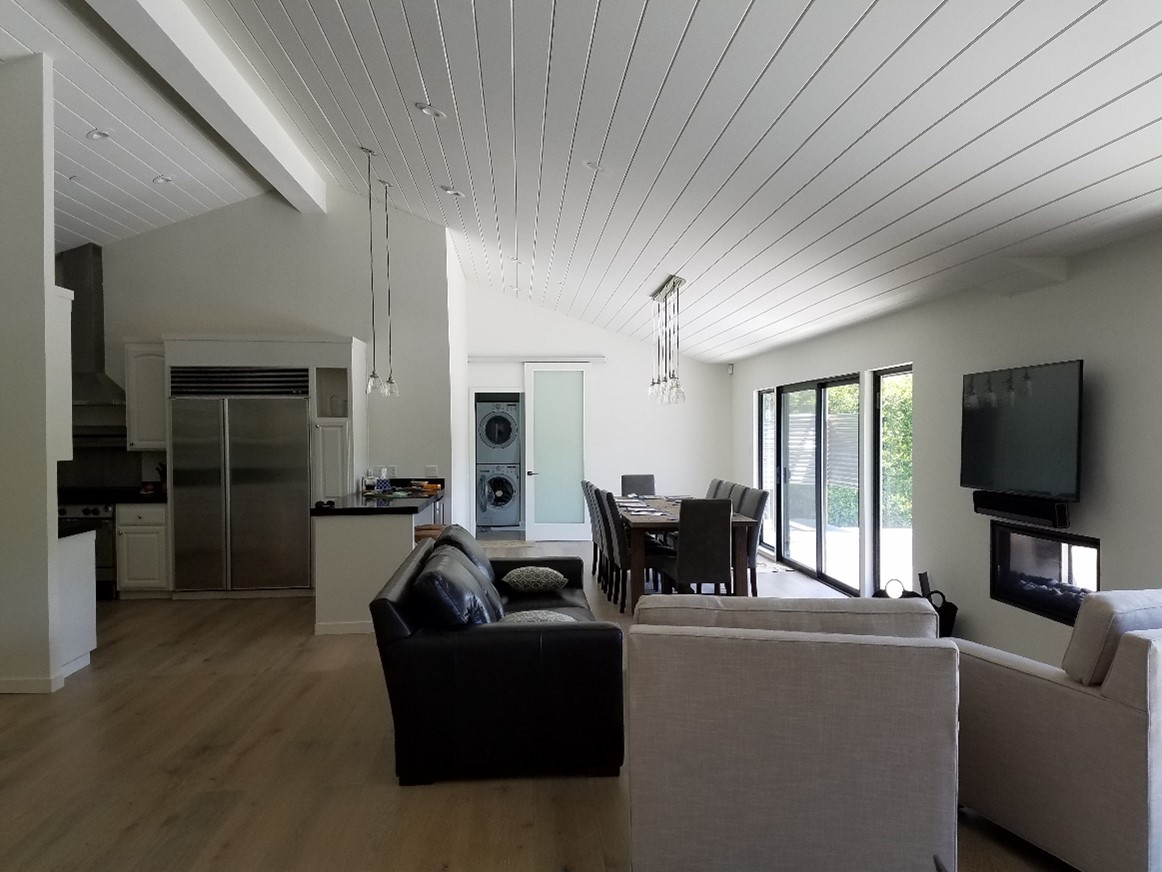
x=374 y=383
x=666 y=384
x=389 y=388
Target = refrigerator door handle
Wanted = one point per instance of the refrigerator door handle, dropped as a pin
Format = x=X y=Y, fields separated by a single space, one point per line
x=226 y=487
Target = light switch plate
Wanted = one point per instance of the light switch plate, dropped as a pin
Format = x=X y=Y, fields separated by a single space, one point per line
x=431 y=469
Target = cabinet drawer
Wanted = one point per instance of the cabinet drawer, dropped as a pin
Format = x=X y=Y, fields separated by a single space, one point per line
x=136 y=515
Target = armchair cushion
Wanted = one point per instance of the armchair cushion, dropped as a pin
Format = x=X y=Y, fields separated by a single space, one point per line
x=909 y=618
x=449 y=592
x=1101 y=621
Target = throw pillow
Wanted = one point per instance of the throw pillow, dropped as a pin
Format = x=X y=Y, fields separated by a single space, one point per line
x=537 y=616
x=534 y=579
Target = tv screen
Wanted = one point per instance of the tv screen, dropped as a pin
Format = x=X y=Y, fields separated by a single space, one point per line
x=1021 y=430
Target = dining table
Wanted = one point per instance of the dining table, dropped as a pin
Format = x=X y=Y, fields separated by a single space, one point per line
x=642 y=515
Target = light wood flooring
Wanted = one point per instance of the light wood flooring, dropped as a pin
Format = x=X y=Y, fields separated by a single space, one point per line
x=213 y=734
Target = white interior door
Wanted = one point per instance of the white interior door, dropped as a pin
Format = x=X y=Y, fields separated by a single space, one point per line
x=554 y=461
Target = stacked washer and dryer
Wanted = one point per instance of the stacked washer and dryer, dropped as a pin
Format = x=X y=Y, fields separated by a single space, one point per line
x=498 y=460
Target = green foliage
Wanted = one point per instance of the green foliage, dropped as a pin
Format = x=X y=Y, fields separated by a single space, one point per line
x=896 y=450
x=842 y=505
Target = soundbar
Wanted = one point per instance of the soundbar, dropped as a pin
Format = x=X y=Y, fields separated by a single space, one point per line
x=1031 y=510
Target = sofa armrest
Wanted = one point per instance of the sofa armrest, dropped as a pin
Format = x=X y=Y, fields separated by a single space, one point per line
x=506 y=698
x=573 y=568
x=792 y=727
x=905 y=618
x=1037 y=748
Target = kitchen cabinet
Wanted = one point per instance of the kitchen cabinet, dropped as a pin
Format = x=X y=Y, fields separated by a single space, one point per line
x=145 y=396
x=331 y=474
x=142 y=556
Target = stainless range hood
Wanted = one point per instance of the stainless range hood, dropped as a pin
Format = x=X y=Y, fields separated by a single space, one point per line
x=98 y=401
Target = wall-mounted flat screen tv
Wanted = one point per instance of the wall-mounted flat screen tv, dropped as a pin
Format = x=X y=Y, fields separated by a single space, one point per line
x=1021 y=430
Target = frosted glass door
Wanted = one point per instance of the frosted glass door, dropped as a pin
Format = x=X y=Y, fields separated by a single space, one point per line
x=554 y=451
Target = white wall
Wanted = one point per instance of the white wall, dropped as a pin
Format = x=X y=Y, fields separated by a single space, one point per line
x=260 y=267
x=28 y=569
x=684 y=446
x=1107 y=313
x=458 y=500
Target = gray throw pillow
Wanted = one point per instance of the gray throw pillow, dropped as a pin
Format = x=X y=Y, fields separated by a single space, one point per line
x=534 y=579
x=537 y=616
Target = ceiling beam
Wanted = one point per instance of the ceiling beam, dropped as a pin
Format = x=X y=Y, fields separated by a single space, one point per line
x=172 y=40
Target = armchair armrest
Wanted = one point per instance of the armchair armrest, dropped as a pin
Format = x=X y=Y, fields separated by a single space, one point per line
x=507 y=698
x=906 y=618
x=573 y=568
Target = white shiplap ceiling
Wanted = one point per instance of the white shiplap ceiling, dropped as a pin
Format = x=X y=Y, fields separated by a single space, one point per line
x=105 y=189
x=802 y=164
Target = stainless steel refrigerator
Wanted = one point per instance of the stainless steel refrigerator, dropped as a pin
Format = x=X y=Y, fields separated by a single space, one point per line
x=241 y=493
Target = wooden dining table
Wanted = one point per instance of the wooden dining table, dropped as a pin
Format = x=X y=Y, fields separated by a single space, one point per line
x=659 y=514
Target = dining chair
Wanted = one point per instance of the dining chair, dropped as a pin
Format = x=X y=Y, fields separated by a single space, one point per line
x=619 y=550
x=715 y=487
x=594 y=520
x=753 y=505
x=734 y=492
x=606 y=555
x=703 y=553
x=638 y=485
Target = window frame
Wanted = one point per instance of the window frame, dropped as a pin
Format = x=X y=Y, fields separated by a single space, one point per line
x=819 y=386
x=878 y=376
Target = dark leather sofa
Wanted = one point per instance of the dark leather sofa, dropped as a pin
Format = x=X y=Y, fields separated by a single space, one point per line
x=474 y=697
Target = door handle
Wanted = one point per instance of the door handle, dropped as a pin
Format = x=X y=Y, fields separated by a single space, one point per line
x=530 y=472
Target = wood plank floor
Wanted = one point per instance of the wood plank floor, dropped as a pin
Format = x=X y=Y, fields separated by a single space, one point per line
x=213 y=734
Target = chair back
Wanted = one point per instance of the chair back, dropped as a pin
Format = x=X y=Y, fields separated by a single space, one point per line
x=715 y=486
x=734 y=492
x=615 y=530
x=753 y=505
x=704 y=542
x=640 y=485
x=587 y=488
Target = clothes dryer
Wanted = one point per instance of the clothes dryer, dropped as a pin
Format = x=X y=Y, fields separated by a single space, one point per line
x=498 y=432
x=498 y=491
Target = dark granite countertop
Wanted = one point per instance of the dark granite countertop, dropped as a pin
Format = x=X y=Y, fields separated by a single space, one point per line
x=358 y=504
x=74 y=496
x=74 y=526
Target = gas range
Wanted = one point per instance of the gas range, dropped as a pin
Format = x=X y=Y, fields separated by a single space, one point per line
x=86 y=511
x=106 y=541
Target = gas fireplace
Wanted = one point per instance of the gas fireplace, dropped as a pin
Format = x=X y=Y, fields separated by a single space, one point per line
x=1047 y=573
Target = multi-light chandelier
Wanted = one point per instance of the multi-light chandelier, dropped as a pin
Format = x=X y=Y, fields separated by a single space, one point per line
x=666 y=386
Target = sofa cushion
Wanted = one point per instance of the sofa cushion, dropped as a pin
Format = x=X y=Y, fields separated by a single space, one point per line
x=447 y=593
x=491 y=595
x=1101 y=621
x=534 y=579
x=458 y=537
x=569 y=598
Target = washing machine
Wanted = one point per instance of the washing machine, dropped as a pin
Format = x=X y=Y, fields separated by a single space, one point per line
x=498 y=495
x=498 y=432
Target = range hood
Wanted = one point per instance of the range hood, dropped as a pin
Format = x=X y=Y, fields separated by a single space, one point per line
x=98 y=401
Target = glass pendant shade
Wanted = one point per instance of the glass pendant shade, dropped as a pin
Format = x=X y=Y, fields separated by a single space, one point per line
x=390 y=388
x=374 y=384
x=666 y=386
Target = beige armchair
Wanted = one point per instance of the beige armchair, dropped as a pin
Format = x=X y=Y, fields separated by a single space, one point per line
x=797 y=735
x=1071 y=759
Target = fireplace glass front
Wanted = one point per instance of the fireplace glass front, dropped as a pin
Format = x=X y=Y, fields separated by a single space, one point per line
x=1047 y=573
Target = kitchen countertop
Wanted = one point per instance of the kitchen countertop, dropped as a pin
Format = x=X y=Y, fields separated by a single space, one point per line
x=358 y=504
x=73 y=496
x=74 y=526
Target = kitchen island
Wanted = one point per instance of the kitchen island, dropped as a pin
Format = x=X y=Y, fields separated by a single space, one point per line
x=358 y=543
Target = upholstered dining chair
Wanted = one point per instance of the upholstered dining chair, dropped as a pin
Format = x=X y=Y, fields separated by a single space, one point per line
x=605 y=549
x=639 y=485
x=587 y=488
x=619 y=551
x=714 y=488
x=703 y=553
x=753 y=504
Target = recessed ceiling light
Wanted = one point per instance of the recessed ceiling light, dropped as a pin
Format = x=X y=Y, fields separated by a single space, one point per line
x=162 y=180
x=97 y=133
x=430 y=110
x=594 y=165
x=448 y=189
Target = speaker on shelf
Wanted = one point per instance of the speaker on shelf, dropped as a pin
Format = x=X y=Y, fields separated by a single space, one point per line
x=1030 y=510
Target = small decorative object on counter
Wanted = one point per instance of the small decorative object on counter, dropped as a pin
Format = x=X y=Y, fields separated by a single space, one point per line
x=382 y=485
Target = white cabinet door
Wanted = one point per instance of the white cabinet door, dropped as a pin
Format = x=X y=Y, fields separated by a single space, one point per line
x=141 y=559
x=331 y=461
x=145 y=395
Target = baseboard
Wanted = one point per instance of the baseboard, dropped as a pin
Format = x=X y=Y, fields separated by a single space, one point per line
x=342 y=628
x=272 y=593
x=73 y=665
x=32 y=685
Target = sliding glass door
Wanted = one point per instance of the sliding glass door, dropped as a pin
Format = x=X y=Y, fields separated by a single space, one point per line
x=893 y=532
x=818 y=479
